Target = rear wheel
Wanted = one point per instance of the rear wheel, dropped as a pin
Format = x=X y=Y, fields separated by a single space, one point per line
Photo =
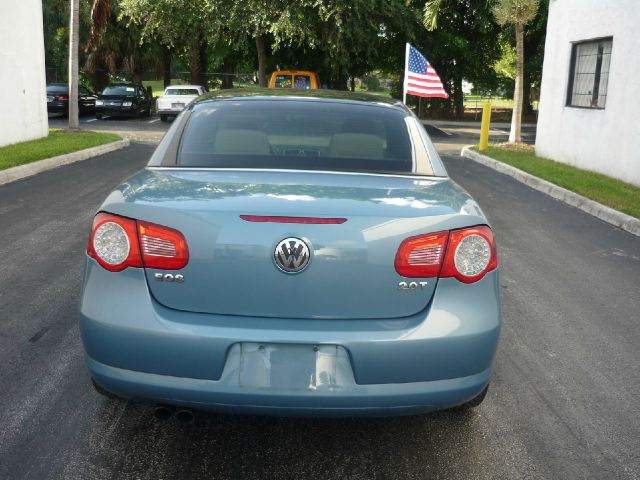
x=98 y=116
x=164 y=118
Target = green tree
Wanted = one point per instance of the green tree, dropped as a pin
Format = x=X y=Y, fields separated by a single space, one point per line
x=177 y=26
x=461 y=45
x=518 y=13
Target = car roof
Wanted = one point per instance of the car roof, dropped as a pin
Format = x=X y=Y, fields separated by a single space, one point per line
x=293 y=72
x=184 y=86
x=247 y=94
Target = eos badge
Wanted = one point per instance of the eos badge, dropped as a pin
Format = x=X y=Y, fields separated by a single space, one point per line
x=168 y=277
x=412 y=285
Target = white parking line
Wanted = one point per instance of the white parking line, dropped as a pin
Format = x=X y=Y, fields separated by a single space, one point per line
x=154 y=120
x=91 y=120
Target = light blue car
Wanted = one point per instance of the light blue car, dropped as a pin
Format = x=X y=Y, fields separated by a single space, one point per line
x=292 y=253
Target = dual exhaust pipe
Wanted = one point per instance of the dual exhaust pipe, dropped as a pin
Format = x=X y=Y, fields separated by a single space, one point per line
x=164 y=412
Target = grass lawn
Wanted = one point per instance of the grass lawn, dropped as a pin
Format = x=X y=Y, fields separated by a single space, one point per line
x=57 y=143
x=476 y=101
x=613 y=193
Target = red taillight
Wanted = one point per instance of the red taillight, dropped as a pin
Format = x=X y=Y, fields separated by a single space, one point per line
x=118 y=242
x=421 y=256
x=63 y=97
x=466 y=254
x=114 y=242
x=471 y=253
x=162 y=247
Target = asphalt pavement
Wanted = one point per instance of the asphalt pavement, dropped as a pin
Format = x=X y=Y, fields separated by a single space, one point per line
x=563 y=404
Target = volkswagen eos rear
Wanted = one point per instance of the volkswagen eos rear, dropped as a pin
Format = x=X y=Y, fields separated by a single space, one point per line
x=292 y=254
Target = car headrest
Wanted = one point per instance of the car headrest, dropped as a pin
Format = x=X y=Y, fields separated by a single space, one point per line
x=357 y=145
x=241 y=142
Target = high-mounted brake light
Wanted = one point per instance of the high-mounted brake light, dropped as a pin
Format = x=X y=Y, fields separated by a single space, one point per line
x=118 y=242
x=306 y=220
x=466 y=254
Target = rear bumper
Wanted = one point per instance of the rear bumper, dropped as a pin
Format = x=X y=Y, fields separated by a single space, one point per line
x=350 y=400
x=117 y=111
x=436 y=359
x=168 y=111
x=57 y=107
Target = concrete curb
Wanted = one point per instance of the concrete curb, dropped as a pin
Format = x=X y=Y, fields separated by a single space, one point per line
x=604 y=213
x=22 y=171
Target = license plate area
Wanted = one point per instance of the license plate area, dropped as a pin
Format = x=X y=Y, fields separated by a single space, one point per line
x=177 y=106
x=293 y=367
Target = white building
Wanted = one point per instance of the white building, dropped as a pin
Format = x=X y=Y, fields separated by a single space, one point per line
x=590 y=95
x=23 y=102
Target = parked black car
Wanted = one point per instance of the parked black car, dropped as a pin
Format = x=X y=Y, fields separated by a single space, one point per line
x=58 y=98
x=124 y=99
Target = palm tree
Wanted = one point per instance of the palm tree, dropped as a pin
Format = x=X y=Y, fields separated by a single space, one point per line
x=74 y=40
x=518 y=13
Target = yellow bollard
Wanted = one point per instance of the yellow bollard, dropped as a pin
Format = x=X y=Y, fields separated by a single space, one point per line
x=484 y=128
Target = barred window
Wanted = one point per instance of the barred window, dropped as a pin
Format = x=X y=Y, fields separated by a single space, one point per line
x=589 y=75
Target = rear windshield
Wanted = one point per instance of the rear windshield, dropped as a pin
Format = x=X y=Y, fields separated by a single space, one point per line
x=182 y=91
x=120 y=90
x=299 y=134
x=57 y=89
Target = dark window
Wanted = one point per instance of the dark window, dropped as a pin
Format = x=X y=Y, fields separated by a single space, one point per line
x=182 y=91
x=303 y=81
x=302 y=135
x=120 y=90
x=57 y=89
x=589 y=75
x=283 y=81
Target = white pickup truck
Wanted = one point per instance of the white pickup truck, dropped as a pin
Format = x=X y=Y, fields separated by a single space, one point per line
x=175 y=98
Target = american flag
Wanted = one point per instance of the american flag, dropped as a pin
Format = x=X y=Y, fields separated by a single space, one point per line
x=420 y=78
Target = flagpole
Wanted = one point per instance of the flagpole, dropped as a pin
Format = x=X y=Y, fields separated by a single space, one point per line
x=406 y=69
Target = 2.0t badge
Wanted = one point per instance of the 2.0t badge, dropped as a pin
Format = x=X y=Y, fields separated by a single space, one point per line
x=291 y=255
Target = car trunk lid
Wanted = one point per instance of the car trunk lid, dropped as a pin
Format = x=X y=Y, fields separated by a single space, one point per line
x=233 y=269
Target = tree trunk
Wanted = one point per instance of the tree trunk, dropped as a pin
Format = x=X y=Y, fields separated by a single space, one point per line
x=516 y=117
x=227 y=69
x=527 y=109
x=166 y=64
x=74 y=9
x=458 y=98
x=136 y=75
x=262 y=61
x=198 y=61
x=101 y=79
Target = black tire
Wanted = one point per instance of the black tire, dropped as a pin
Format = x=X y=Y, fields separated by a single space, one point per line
x=475 y=401
x=164 y=118
x=98 y=116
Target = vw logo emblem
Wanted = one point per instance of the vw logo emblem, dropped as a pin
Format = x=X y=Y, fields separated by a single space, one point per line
x=291 y=255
